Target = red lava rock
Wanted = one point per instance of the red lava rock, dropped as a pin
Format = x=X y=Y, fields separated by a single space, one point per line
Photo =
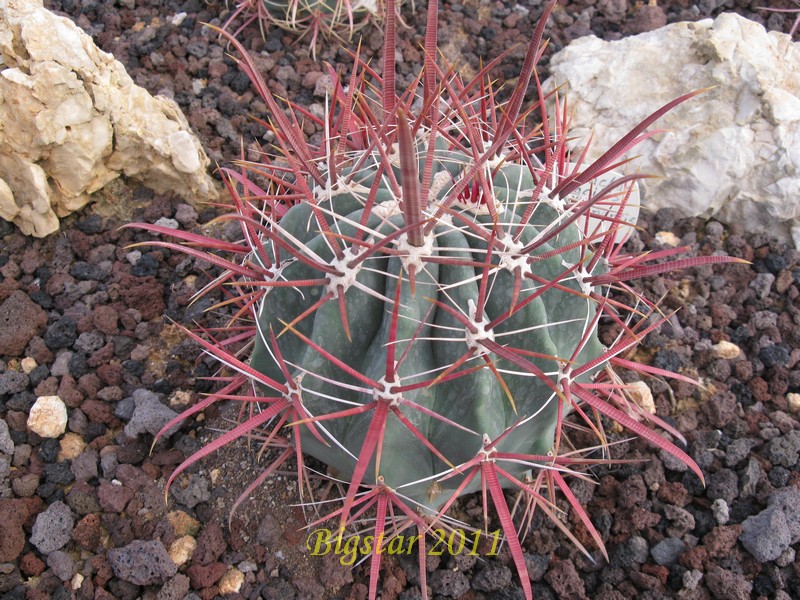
x=210 y=544
x=105 y=319
x=39 y=351
x=17 y=420
x=721 y=540
x=69 y=391
x=784 y=281
x=101 y=569
x=101 y=594
x=31 y=565
x=110 y=374
x=38 y=594
x=111 y=393
x=48 y=387
x=114 y=498
x=152 y=471
x=168 y=457
x=133 y=477
x=31 y=260
x=645 y=18
x=13 y=513
x=236 y=536
x=694 y=558
x=100 y=357
x=217 y=68
x=58 y=283
x=85 y=324
x=743 y=370
x=643 y=581
x=760 y=389
x=20 y=320
x=209 y=593
x=145 y=294
x=88 y=532
x=79 y=243
x=333 y=574
x=779 y=383
x=98 y=411
x=637 y=519
x=727 y=585
x=720 y=408
x=722 y=315
x=632 y=491
x=7 y=287
x=90 y=384
x=204 y=576
x=659 y=572
x=674 y=493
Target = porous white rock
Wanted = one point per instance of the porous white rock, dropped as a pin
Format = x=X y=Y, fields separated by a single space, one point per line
x=73 y=120
x=732 y=152
x=48 y=417
x=640 y=393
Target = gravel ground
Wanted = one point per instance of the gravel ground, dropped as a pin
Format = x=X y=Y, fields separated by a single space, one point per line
x=82 y=316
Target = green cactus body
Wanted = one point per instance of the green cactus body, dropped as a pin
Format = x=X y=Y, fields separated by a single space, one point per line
x=548 y=331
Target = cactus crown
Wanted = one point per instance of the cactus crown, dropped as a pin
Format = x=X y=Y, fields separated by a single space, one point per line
x=419 y=297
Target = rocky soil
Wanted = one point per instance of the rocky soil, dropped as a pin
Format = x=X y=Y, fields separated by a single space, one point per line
x=87 y=318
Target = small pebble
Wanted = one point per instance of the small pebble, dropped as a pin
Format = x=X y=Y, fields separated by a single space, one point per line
x=181 y=550
x=719 y=508
x=725 y=349
x=640 y=393
x=178 y=18
x=168 y=223
x=231 y=582
x=793 y=400
x=667 y=238
x=691 y=579
x=71 y=446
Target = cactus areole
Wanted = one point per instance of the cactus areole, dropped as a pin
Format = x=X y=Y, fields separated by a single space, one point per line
x=464 y=334
x=417 y=298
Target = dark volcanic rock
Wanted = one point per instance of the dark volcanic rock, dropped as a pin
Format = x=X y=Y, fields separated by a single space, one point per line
x=142 y=563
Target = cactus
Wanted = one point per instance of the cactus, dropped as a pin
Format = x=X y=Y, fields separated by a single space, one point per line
x=461 y=326
x=417 y=299
x=310 y=19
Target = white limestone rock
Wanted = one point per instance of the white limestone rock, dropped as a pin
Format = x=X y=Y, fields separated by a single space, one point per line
x=48 y=417
x=72 y=120
x=734 y=151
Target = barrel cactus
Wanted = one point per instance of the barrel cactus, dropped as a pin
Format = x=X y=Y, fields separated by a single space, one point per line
x=428 y=330
x=309 y=19
x=417 y=299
